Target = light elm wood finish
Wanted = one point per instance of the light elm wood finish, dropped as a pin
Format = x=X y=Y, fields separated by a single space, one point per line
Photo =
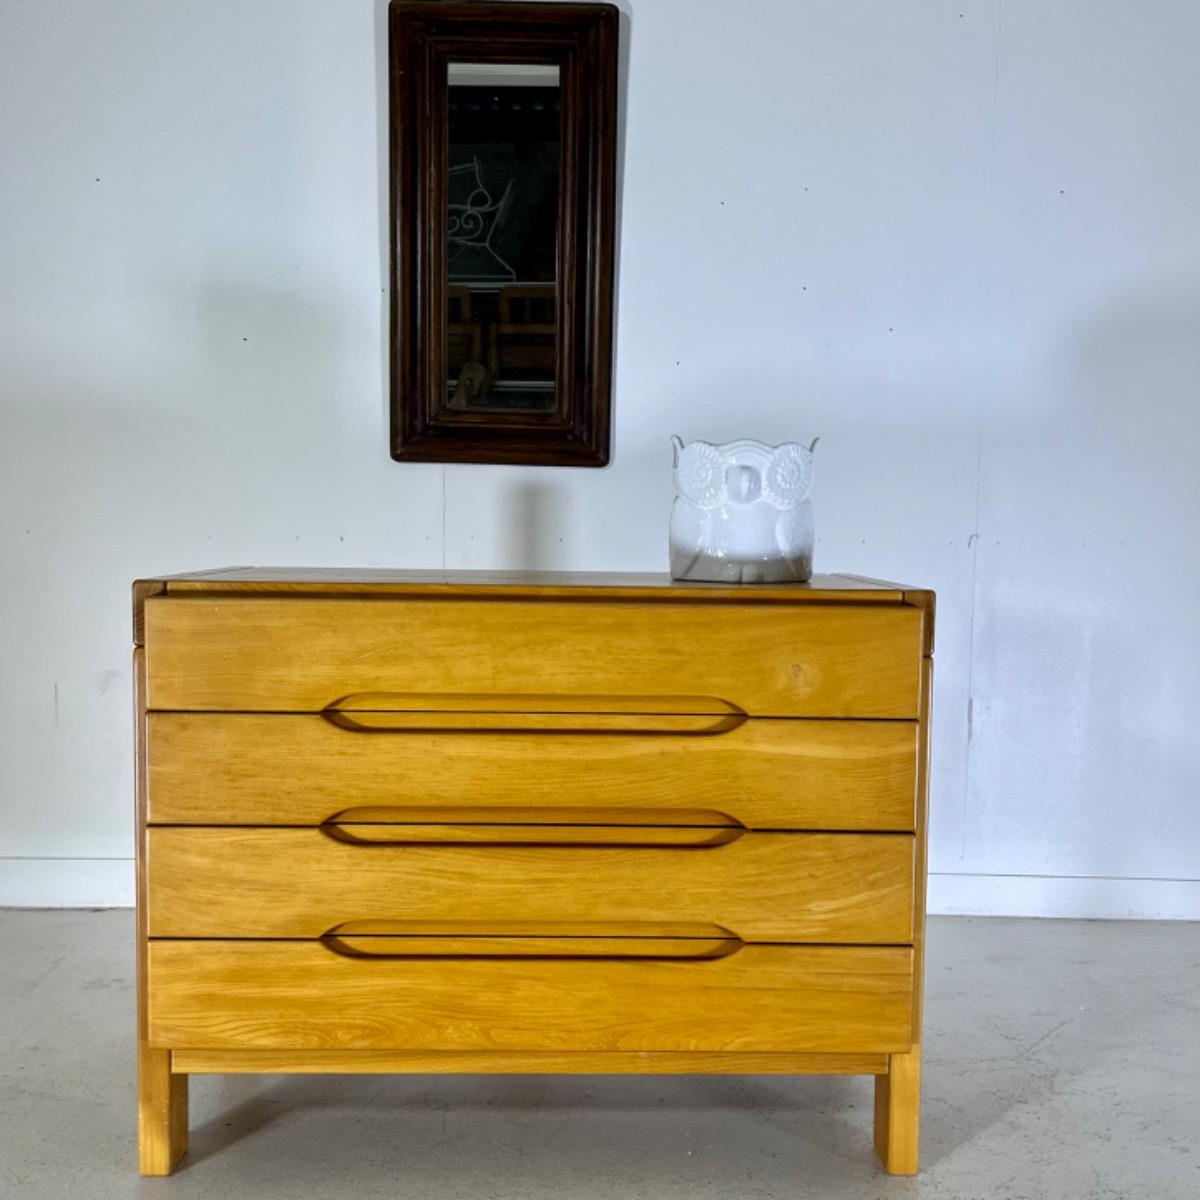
x=162 y=1097
x=646 y=586
x=301 y=883
x=578 y=585
x=898 y=1091
x=505 y=822
x=264 y=654
x=630 y=943
x=897 y=1112
x=259 y=768
x=162 y=1112
x=519 y=1062
x=305 y=995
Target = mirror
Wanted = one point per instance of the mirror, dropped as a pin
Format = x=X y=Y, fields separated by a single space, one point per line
x=502 y=235
x=503 y=135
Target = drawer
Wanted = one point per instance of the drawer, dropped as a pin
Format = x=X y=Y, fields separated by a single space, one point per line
x=260 y=654
x=301 y=883
x=293 y=769
x=305 y=995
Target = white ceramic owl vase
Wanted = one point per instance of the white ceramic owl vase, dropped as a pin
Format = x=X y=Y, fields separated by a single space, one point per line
x=742 y=512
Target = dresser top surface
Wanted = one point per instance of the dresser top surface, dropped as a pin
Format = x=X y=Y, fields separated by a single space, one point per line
x=373 y=581
x=577 y=585
x=567 y=583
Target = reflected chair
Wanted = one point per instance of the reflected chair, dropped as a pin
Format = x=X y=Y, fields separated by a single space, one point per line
x=464 y=334
x=526 y=339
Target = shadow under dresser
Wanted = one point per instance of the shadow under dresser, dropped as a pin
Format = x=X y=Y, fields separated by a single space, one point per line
x=471 y=822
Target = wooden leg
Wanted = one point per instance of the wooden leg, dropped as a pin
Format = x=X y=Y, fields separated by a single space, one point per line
x=162 y=1113
x=898 y=1113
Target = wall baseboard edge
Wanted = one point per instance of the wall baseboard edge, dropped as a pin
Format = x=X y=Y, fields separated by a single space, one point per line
x=1064 y=896
x=66 y=883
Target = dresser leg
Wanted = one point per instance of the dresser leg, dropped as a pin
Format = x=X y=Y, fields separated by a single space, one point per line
x=898 y=1113
x=162 y=1113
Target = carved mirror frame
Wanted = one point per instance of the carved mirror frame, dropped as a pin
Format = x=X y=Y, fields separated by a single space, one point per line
x=581 y=40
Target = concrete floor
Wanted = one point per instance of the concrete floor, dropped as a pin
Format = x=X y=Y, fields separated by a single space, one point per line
x=1063 y=1063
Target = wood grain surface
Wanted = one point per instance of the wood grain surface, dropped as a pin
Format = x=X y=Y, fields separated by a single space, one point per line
x=520 y=822
x=162 y=1097
x=520 y=1062
x=306 y=655
x=239 y=768
x=766 y=887
x=898 y=1113
x=301 y=995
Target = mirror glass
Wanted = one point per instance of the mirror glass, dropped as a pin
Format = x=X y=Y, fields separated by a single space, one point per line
x=502 y=235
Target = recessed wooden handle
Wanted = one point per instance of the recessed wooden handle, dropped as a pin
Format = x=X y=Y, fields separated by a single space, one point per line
x=707 y=830
x=412 y=712
x=360 y=940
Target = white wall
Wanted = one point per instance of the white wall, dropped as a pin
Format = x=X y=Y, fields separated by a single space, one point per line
x=958 y=240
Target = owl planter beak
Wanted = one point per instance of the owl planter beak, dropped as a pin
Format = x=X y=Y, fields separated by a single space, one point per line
x=743 y=484
x=741 y=512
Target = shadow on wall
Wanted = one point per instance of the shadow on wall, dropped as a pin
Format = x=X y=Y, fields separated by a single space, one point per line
x=580 y=519
x=535 y=525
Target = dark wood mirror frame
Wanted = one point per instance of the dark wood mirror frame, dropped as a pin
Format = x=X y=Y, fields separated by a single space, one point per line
x=581 y=39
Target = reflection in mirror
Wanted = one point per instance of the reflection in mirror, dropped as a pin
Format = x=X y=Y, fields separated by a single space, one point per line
x=502 y=235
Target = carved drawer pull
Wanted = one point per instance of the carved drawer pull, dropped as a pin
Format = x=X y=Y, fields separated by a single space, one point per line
x=420 y=713
x=377 y=939
x=399 y=827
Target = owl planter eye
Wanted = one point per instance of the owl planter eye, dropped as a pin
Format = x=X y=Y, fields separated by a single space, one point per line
x=741 y=512
x=789 y=474
x=699 y=473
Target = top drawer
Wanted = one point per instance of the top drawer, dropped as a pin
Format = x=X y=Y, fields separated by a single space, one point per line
x=261 y=654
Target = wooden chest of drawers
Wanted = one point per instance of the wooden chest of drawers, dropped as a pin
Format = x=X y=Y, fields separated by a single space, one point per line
x=465 y=822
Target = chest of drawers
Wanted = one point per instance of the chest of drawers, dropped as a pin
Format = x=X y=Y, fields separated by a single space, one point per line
x=479 y=822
